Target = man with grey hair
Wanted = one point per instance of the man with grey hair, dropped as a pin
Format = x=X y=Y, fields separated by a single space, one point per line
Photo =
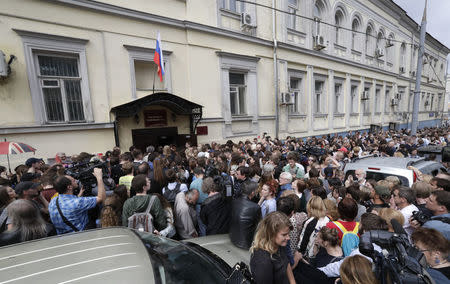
x=285 y=183
x=185 y=215
x=404 y=198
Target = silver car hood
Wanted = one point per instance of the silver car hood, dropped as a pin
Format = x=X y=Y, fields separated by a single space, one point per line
x=221 y=245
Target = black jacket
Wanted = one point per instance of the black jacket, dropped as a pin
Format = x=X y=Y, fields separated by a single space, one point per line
x=245 y=216
x=215 y=214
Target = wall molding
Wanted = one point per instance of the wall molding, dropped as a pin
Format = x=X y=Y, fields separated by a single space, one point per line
x=55 y=128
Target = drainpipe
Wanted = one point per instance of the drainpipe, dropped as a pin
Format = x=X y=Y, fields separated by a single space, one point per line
x=275 y=68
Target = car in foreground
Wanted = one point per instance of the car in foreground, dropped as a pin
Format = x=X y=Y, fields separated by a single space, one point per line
x=120 y=255
x=379 y=168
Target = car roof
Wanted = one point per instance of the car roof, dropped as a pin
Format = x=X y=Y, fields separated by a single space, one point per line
x=111 y=255
x=386 y=162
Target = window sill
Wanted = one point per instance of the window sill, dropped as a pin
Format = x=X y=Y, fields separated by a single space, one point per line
x=377 y=113
x=389 y=64
x=55 y=128
x=369 y=57
x=366 y=114
x=355 y=52
x=296 y=32
x=320 y=115
x=243 y=117
x=339 y=115
x=340 y=47
x=354 y=114
x=297 y=115
x=230 y=14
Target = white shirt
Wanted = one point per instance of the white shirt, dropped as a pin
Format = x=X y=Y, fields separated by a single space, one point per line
x=172 y=185
x=407 y=213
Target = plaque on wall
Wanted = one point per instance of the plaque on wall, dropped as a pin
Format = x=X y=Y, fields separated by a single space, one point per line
x=154 y=118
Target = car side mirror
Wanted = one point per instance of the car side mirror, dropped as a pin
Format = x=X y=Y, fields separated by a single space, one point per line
x=446 y=154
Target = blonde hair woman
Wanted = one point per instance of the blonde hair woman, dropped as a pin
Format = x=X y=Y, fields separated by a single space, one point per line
x=268 y=262
x=357 y=270
x=317 y=219
x=388 y=214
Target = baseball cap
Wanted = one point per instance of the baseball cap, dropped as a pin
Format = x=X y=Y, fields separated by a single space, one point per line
x=382 y=191
x=343 y=149
x=31 y=161
x=24 y=186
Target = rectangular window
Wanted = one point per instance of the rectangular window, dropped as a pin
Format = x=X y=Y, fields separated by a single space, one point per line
x=237 y=93
x=233 y=5
x=365 y=101
x=338 y=98
x=387 y=101
x=60 y=83
x=377 y=100
x=318 y=88
x=354 y=99
x=292 y=16
x=294 y=88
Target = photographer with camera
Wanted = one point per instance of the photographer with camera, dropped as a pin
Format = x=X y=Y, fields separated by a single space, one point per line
x=439 y=204
x=68 y=212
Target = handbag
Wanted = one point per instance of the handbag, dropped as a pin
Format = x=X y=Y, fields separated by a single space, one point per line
x=240 y=274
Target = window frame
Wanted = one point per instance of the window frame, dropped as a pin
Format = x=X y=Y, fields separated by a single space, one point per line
x=37 y=43
x=338 y=97
x=298 y=107
x=240 y=6
x=292 y=18
x=319 y=96
x=354 y=98
x=61 y=86
x=238 y=99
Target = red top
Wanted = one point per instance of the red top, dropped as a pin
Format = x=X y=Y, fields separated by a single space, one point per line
x=349 y=226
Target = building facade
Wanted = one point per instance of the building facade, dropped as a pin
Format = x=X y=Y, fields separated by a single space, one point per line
x=85 y=76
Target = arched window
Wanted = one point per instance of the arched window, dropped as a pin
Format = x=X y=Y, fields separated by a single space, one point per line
x=355 y=29
x=338 y=22
x=402 y=58
x=389 y=48
x=380 y=45
x=369 y=40
x=318 y=13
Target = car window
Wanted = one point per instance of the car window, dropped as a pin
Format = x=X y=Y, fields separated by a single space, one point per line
x=174 y=262
x=379 y=176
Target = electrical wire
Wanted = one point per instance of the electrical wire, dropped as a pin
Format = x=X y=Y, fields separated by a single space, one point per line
x=321 y=22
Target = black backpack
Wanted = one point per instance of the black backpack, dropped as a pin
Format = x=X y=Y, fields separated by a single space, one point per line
x=171 y=194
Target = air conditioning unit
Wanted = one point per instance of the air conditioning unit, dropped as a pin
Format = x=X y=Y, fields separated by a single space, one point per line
x=402 y=70
x=389 y=42
x=319 y=42
x=247 y=20
x=287 y=98
x=365 y=95
x=394 y=102
x=379 y=52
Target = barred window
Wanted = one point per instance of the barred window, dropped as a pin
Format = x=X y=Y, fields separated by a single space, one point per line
x=60 y=82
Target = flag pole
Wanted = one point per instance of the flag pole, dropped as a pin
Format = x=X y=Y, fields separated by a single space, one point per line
x=7 y=155
x=154 y=75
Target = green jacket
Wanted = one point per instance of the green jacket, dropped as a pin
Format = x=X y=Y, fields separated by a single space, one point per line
x=299 y=173
x=138 y=204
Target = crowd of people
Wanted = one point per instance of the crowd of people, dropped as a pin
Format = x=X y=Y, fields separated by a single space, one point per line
x=286 y=201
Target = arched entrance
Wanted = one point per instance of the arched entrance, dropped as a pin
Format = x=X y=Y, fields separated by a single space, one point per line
x=156 y=119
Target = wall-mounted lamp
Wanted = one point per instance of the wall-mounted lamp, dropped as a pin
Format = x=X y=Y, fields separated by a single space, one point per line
x=5 y=67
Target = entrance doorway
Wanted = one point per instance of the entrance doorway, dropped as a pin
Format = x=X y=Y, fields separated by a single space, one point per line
x=160 y=137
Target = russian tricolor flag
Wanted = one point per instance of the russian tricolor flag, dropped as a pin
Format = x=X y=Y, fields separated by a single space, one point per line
x=158 y=58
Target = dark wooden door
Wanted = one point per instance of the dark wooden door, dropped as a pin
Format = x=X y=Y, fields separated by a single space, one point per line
x=154 y=136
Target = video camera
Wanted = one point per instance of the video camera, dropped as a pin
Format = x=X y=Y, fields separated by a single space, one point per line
x=399 y=261
x=84 y=173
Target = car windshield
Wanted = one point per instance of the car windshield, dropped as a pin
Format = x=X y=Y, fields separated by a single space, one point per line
x=174 y=262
